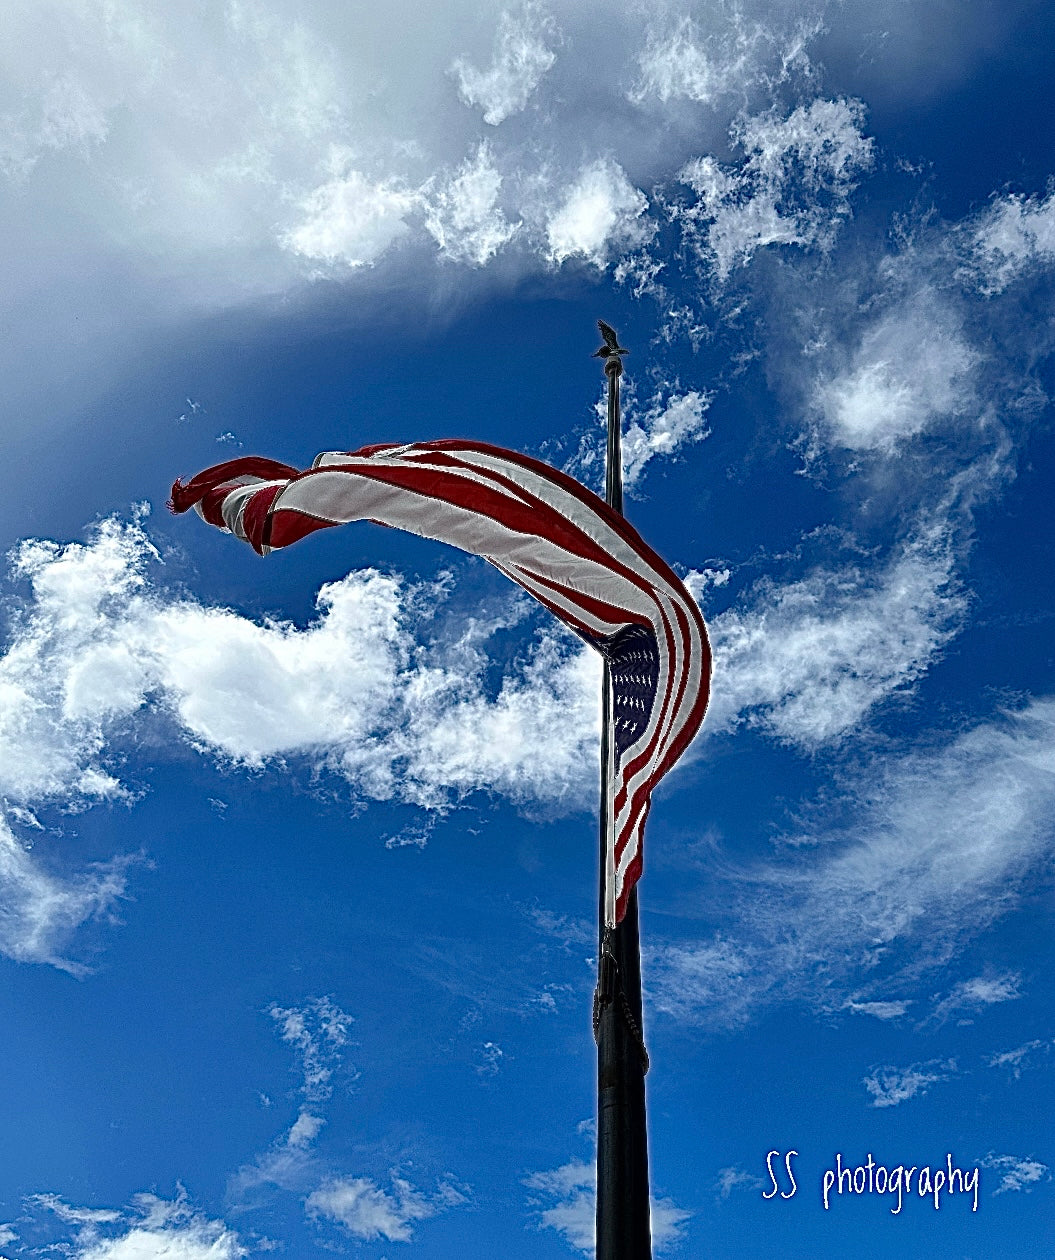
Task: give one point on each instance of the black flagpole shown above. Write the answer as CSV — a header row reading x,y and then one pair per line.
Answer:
x,y
623,1227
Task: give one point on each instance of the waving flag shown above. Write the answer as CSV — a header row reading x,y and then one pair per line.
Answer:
x,y
546,532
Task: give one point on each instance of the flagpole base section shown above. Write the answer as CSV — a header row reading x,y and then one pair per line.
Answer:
x,y
623,1212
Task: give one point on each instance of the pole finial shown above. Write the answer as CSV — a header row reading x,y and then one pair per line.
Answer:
x,y
611,350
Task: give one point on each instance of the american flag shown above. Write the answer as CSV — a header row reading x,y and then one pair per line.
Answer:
x,y
545,531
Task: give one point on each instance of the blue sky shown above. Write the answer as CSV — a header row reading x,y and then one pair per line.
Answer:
x,y
297,856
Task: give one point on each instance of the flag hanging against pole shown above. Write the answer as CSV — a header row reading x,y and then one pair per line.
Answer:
x,y
546,532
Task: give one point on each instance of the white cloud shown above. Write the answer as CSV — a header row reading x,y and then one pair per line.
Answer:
x,y
735,1178
807,661
939,844
522,55
533,743
716,979
912,367
568,932
122,112
489,1059
1019,1057
1017,1173
891,1086
318,1033
193,142
70,117
367,1211
940,834
99,647
305,1129
195,1240
697,581
351,219
574,1216
680,64
65,672
664,428
600,211
886,350
574,1185
167,164
978,992
792,187
153,1227
1015,235
463,214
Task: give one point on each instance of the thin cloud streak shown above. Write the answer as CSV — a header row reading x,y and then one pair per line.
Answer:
x,y
41,912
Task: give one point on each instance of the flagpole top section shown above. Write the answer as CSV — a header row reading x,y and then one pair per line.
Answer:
x,y
613,366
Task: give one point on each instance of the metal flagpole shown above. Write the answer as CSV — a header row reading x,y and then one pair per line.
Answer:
x,y
623,1227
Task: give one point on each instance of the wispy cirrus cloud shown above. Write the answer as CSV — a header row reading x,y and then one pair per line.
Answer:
x,y
41,912
891,1086
1021,1057
685,61
318,1032
806,660
736,1178
523,53
362,1207
358,1206
880,1009
791,188
893,361
940,844
367,1210
1017,1173
666,427
1014,237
